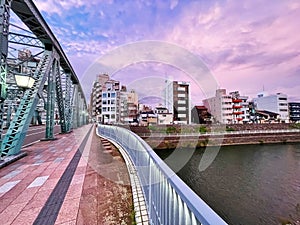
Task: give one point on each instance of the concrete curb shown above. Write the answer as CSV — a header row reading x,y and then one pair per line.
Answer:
x,y
12,158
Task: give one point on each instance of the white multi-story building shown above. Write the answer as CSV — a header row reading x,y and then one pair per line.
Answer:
x,y
96,97
220,106
240,108
178,101
245,109
228,108
163,115
95,100
274,103
128,106
105,100
111,102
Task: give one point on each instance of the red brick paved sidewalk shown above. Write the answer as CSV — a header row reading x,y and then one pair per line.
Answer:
x,y
26,184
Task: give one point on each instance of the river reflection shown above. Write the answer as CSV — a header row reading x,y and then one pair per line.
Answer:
x,y
251,184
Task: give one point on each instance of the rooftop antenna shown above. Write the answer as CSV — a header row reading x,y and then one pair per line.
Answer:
x,y
263,87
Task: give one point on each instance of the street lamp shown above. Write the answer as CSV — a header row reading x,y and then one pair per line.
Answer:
x,y
24,80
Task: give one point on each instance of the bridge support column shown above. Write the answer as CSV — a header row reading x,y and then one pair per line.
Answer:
x,y
79,111
50,102
75,106
4,30
82,112
68,103
60,100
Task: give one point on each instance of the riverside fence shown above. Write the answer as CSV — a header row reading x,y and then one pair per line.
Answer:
x,y
168,199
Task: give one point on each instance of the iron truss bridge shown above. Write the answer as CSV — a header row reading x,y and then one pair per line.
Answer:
x,y
37,82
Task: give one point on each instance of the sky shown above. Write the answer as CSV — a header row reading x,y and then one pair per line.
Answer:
x,y
249,45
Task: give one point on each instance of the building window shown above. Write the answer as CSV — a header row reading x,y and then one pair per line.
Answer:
x,y
113,95
181,116
104,95
181,108
283,99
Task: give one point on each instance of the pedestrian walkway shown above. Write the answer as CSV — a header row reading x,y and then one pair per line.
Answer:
x,y
52,184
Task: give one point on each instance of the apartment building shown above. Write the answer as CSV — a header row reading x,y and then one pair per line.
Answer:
x,y
163,115
96,97
105,100
294,110
95,100
178,101
200,115
220,107
128,106
276,103
111,102
240,108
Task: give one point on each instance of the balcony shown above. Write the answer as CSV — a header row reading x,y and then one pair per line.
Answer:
x,y
238,113
237,106
236,100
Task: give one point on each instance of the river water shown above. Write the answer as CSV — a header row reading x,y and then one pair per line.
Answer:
x,y
251,184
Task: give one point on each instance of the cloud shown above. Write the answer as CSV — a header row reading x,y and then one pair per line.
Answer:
x,y
62,6
173,4
244,43
243,40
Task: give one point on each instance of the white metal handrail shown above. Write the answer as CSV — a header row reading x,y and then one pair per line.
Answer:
x,y
169,200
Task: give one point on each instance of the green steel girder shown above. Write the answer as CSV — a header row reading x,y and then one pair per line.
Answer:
x,y
4,30
16,132
81,110
51,102
60,102
68,103
22,39
75,107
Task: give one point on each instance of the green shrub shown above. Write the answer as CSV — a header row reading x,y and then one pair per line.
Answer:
x,y
230,129
295,126
202,129
171,130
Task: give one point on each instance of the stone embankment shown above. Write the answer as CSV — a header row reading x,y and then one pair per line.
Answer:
x,y
170,137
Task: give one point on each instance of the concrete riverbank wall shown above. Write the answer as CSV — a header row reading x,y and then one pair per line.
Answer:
x,y
171,142
238,134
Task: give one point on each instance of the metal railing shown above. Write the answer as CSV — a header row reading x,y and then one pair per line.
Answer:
x,y
168,199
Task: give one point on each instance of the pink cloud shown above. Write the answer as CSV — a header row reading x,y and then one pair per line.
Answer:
x,y
245,44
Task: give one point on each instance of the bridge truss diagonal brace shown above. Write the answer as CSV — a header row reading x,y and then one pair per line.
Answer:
x,y
4,30
79,112
75,111
61,102
26,40
67,101
50,106
16,132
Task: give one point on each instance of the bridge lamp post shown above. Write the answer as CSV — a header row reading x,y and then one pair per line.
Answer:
x,y
24,80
